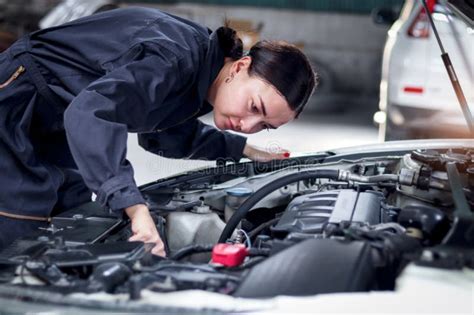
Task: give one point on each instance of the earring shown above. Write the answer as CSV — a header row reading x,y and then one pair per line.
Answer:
x,y
228,79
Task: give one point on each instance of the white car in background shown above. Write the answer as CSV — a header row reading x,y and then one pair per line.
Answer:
x,y
417,99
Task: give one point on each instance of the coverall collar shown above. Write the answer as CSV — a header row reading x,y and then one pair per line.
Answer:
x,y
213,63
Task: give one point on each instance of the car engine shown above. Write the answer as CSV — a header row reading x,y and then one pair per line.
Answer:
x,y
298,227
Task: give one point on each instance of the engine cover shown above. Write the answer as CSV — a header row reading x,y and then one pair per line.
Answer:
x,y
310,213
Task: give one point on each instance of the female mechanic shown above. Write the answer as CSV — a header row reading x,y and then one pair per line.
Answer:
x,y
70,94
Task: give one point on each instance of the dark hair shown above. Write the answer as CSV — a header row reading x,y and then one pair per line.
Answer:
x,y
230,43
279,63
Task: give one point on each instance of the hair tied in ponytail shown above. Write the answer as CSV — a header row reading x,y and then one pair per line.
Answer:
x,y
230,43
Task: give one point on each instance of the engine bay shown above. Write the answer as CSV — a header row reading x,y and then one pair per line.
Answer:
x,y
299,229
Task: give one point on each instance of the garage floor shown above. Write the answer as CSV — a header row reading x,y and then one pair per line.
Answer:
x,y
312,132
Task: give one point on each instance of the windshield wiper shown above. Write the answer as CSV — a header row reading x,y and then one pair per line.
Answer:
x,y
452,74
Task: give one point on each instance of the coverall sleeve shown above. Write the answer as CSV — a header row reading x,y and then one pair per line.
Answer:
x,y
194,140
98,119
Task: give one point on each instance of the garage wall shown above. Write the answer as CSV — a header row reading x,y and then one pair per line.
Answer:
x,y
345,48
340,6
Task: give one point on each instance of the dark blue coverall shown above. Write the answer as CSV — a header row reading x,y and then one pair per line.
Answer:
x,y
64,119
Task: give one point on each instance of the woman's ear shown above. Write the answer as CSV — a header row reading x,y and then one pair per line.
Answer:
x,y
241,64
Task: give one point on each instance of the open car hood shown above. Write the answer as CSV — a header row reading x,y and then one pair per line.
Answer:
x,y
335,231
464,9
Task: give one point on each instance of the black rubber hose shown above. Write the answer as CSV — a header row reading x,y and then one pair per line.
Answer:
x,y
267,189
192,249
259,252
457,190
262,227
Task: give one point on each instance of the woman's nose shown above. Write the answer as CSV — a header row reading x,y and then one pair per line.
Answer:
x,y
249,124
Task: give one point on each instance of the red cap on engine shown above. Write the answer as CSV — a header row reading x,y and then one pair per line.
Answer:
x,y
229,255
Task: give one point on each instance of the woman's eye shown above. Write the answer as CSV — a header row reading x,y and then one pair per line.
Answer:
x,y
254,108
264,126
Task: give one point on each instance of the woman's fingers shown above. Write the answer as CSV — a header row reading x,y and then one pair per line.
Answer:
x,y
142,236
260,155
135,238
144,228
159,249
150,237
279,155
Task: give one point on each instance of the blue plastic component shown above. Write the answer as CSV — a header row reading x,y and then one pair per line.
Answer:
x,y
239,191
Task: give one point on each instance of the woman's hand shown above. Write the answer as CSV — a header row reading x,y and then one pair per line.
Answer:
x,y
260,155
144,229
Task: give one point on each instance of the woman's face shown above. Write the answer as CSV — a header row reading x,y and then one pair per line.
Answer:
x,y
248,104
